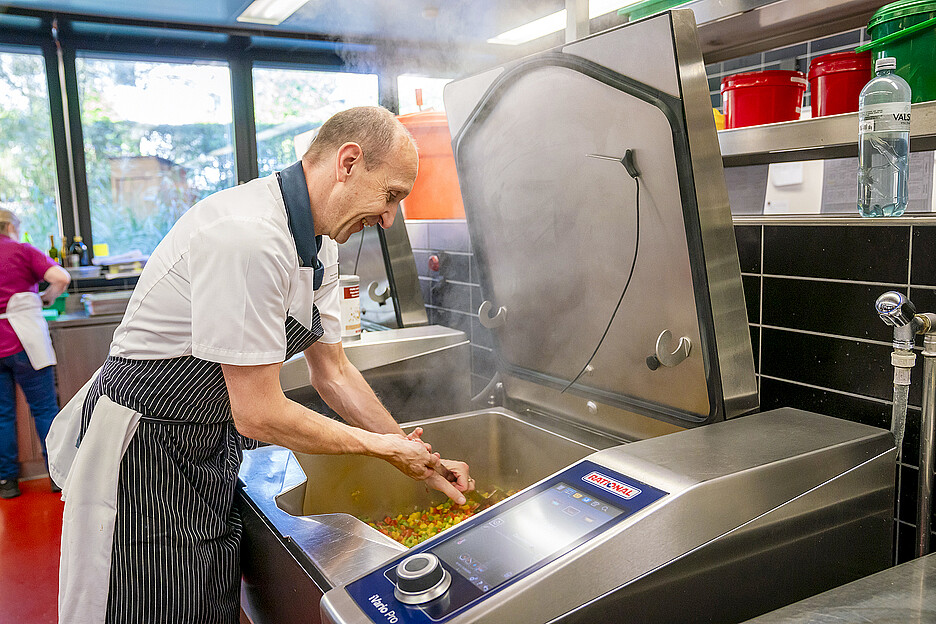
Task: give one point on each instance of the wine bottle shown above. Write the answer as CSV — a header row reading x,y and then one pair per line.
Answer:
x,y
53,250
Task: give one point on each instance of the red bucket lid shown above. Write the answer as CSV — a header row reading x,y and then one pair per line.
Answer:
x,y
769,77
839,62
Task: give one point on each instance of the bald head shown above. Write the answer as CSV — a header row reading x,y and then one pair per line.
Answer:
x,y
375,129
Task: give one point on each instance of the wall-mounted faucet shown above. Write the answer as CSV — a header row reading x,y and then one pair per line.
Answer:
x,y
896,310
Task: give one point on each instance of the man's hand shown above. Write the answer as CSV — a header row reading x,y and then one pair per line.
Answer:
x,y
411,457
458,480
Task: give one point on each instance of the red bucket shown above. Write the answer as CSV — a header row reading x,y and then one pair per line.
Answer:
x,y
762,97
835,80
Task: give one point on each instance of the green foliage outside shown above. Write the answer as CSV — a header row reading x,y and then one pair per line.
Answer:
x,y
27,161
143,176
183,163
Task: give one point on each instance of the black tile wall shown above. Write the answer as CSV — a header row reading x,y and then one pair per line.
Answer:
x,y
752,287
924,256
451,296
483,362
480,335
821,347
449,236
422,263
755,347
923,298
451,293
455,266
418,234
776,393
849,39
448,318
905,543
835,363
865,253
790,52
748,238
804,304
907,500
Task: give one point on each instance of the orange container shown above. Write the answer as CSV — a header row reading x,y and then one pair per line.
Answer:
x,y
436,194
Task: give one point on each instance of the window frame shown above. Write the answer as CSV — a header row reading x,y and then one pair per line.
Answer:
x,y
60,45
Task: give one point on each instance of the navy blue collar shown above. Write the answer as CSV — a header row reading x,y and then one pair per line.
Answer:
x,y
295,192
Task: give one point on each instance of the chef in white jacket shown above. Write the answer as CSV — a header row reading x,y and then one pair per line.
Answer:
x,y
151,532
26,355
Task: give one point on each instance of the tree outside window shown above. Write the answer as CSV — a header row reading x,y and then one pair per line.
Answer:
x,y
290,104
27,159
158,138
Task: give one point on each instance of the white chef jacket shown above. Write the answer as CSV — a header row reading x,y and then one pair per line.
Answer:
x,y
221,283
219,287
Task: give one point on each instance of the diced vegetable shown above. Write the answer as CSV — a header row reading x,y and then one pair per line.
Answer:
x,y
420,526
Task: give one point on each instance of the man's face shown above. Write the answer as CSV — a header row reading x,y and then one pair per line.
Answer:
x,y
373,197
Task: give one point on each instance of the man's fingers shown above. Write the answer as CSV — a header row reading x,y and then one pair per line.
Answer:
x,y
449,489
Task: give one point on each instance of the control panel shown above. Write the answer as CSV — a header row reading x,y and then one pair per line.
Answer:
x,y
442,577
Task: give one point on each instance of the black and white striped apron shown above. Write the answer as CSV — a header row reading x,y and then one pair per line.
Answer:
x,y
176,550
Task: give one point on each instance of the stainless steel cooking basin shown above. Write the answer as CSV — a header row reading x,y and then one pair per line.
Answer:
x,y
501,450
300,512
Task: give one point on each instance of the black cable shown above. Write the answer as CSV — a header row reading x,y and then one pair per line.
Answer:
x,y
358,257
629,275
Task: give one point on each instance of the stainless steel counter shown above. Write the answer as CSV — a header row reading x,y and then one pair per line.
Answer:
x,y
81,344
904,594
81,319
416,371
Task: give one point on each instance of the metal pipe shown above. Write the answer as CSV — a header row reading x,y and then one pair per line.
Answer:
x,y
896,310
927,422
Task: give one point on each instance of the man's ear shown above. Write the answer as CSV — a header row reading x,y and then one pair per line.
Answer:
x,y
349,156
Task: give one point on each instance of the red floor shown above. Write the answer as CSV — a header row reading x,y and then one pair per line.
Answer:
x,y
30,539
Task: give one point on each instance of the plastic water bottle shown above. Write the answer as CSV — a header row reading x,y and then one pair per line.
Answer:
x,y
883,142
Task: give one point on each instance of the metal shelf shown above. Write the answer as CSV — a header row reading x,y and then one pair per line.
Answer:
x,y
835,136
734,28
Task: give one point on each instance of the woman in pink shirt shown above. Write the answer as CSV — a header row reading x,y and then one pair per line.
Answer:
x,y
22,267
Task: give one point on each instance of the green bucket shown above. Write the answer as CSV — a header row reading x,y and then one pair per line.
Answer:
x,y
906,30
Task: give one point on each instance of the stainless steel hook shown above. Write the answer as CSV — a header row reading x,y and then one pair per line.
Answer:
x,y
666,355
492,322
372,293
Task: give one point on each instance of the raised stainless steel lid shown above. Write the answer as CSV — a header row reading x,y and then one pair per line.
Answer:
x,y
559,235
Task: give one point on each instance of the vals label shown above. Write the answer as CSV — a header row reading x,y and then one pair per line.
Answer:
x,y
618,488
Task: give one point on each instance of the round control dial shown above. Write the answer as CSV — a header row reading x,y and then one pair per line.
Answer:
x,y
421,578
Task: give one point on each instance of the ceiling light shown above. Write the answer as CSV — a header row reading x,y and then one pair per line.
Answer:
x,y
554,22
533,30
270,12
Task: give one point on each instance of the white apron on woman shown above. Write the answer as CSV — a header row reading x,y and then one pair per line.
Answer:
x,y
24,312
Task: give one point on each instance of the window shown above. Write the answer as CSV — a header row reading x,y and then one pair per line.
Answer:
x,y
289,104
27,159
158,138
431,89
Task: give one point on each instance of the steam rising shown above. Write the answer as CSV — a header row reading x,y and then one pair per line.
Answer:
x,y
440,39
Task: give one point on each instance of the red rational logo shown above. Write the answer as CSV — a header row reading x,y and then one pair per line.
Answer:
x,y
618,488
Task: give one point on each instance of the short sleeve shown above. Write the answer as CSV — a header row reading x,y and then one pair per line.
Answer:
x,y
328,296
37,261
240,273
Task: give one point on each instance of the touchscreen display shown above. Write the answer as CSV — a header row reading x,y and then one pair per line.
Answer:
x,y
491,553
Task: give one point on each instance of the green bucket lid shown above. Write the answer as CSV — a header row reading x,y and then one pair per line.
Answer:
x,y
901,8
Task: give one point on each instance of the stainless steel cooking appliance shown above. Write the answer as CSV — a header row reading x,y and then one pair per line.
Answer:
x,y
598,158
